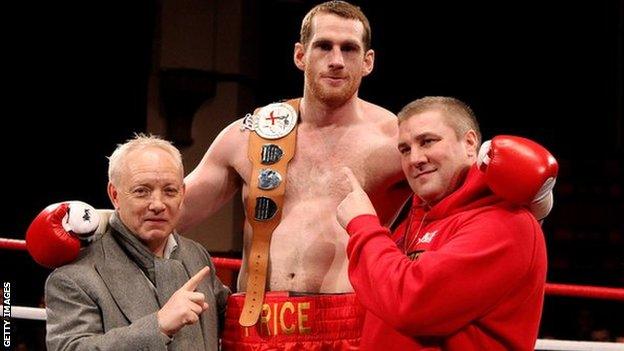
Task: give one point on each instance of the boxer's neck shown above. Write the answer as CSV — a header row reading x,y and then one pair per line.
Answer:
x,y
315,113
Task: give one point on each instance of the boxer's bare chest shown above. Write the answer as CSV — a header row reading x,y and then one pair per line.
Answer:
x,y
320,155
316,169
308,246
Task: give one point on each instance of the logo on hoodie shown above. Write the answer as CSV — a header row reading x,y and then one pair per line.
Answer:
x,y
427,237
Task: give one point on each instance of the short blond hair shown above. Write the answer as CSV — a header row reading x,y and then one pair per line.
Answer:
x,y
457,113
341,9
140,141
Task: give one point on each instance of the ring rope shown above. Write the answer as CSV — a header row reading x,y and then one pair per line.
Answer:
x,y
568,345
12,244
34,313
22,312
595,292
555,289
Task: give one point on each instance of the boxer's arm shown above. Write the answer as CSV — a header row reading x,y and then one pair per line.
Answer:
x,y
215,180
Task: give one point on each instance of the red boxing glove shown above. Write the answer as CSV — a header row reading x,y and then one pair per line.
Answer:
x,y
519,170
53,237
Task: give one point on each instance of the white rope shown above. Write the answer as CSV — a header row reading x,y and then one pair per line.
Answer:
x,y
22,312
541,344
565,345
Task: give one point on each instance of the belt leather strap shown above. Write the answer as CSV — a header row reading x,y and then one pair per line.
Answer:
x,y
262,230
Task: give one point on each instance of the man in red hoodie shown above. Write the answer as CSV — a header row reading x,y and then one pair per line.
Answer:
x,y
466,270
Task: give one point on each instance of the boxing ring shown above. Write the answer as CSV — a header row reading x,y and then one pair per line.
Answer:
x,y
552,289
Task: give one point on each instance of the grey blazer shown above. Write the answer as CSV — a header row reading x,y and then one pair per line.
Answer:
x,y
103,301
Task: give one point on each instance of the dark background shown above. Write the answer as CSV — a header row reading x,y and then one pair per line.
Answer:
x,y
76,80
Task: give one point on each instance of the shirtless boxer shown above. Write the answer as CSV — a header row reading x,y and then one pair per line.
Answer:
x,y
307,248
336,128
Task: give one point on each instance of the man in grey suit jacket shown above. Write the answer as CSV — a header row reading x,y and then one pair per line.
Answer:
x,y
140,286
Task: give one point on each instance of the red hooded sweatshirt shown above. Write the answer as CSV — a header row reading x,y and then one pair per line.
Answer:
x,y
475,279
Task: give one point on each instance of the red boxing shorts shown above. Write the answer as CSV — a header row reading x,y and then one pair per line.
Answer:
x,y
302,322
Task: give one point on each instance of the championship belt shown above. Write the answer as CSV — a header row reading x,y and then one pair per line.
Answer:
x,y
271,146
